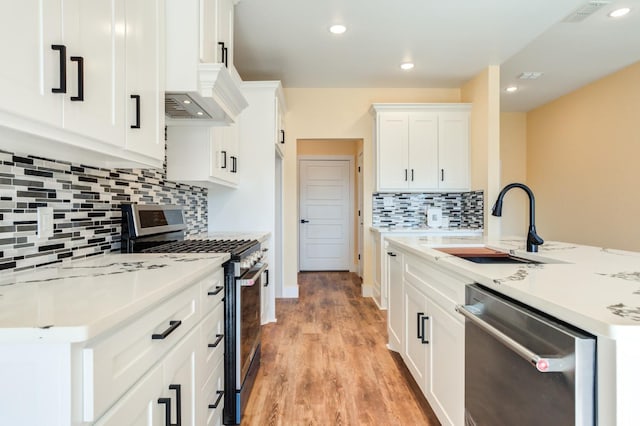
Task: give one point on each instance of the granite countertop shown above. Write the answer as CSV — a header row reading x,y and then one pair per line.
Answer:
x,y
75,301
426,230
596,289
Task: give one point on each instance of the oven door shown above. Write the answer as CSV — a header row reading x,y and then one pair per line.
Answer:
x,y
249,316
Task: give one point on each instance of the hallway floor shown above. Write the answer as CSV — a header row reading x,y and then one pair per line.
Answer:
x,y
325,362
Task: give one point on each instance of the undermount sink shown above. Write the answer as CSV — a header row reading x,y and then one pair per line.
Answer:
x,y
485,255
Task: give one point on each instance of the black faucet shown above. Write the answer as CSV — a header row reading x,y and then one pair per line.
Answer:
x,y
533,239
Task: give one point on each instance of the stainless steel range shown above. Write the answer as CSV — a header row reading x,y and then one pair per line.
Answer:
x,y
161,229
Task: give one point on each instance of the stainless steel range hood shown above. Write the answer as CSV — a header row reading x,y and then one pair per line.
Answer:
x,y
197,92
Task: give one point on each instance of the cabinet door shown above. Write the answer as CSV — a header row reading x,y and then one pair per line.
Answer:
x,y
280,136
423,150
396,303
179,372
95,32
393,151
139,406
225,29
417,335
453,148
446,380
31,69
377,268
145,77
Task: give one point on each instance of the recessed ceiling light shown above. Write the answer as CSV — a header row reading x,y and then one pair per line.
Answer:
x,y
337,29
618,13
511,89
200,113
186,101
407,66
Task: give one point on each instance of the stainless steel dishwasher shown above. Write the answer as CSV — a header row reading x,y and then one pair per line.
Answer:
x,y
523,367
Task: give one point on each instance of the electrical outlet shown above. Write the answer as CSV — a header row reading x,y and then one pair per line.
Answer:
x,y
45,222
387,201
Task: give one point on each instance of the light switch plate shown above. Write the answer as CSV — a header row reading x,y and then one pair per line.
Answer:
x,y
388,201
45,222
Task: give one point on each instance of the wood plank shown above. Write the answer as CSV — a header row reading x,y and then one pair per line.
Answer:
x,y
325,362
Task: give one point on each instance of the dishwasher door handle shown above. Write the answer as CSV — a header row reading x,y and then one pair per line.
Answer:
x,y
542,364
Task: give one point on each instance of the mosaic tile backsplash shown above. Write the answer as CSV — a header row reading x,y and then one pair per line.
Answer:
x,y
409,210
86,206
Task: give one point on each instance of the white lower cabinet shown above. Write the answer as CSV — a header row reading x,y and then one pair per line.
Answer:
x,y
445,387
432,333
139,406
168,356
395,312
416,352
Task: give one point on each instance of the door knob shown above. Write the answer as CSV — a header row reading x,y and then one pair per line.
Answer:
x,y
304,221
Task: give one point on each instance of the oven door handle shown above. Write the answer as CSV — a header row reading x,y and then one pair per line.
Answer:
x,y
542,364
255,275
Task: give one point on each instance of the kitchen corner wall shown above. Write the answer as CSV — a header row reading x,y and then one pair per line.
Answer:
x,y
86,204
463,209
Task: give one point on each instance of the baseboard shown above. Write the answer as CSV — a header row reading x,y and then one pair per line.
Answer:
x,y
290,292
367,290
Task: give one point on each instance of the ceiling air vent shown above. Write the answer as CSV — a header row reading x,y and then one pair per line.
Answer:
x,y
182,106
586,10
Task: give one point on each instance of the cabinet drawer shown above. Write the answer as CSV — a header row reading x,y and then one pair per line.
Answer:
x,y
212,290
445,289
114,363
212,337
212,394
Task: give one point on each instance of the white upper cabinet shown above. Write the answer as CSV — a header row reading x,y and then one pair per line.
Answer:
x,y
422,147
31,69
94,101
281,135
144,94
66,87
203,156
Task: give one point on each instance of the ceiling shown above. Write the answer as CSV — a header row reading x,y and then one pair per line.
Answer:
x,y
450,41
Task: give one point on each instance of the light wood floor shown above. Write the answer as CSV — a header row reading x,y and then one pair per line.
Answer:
x,y
325,362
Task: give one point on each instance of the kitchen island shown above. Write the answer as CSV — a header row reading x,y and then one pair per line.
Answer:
x,y
594,289
104,339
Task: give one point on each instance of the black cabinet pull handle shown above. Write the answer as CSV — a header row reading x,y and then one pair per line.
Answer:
x,y
234,164
80,61
215,291
218,399
224,159
442,175
62,50
304,221
267,283
282,134
224,52
423,326
167,407
167,410
172,327
391,254
137,99
219,338
406,177
411,175
419,323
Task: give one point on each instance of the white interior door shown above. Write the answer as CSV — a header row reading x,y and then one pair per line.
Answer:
x,y
325,212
